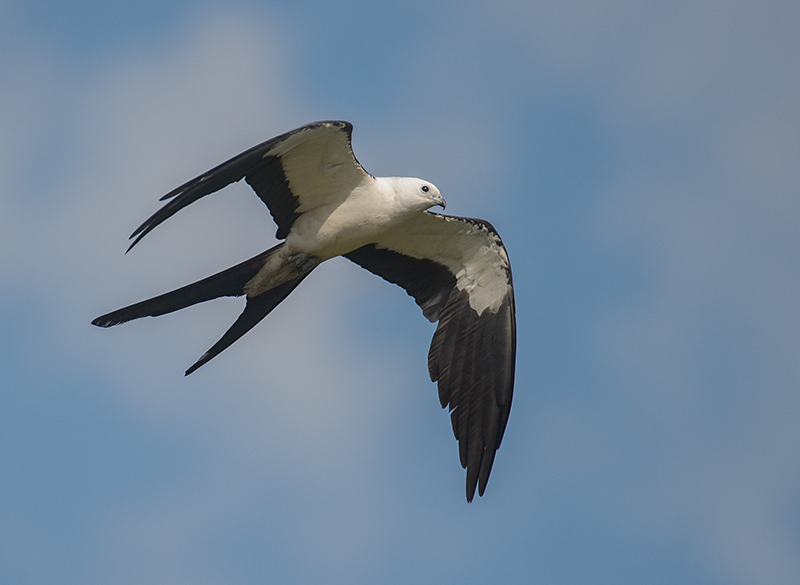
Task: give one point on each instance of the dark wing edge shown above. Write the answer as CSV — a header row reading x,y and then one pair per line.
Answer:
x,y
262,171
471,357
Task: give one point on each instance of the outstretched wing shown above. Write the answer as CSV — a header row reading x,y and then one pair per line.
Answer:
x,y
306,167
458,272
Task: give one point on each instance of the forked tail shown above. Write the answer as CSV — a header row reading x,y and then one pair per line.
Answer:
x,y
228,283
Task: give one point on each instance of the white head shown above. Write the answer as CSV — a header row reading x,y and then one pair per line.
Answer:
x,y
417,194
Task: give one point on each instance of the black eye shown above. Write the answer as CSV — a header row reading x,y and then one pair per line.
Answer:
x,y
425,189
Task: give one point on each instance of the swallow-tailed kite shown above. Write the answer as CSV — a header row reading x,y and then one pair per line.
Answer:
x,y
327,205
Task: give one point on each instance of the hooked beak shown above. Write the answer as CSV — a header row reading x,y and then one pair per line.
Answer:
x,y
439,200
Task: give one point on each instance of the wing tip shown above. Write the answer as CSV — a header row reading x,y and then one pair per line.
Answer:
x,y
471,491
203,359
101,322
136,241
107,320
140,232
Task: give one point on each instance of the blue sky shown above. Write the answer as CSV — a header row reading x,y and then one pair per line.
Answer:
x,y
639,160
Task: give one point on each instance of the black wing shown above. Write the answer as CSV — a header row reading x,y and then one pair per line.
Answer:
x,y
473,352
302,168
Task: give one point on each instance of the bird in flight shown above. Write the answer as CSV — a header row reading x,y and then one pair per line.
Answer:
x,y
326,205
